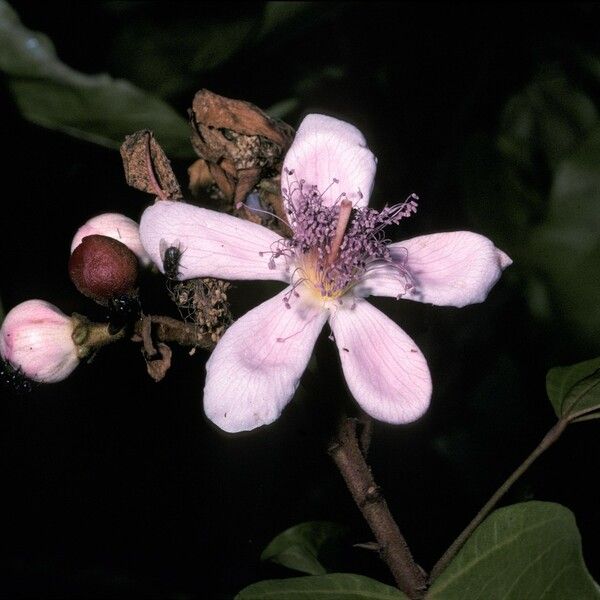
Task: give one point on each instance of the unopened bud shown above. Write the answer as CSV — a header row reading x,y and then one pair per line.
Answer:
x,y
116,226
36,338
103,268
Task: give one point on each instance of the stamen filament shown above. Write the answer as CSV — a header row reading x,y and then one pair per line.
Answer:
x,y
266,212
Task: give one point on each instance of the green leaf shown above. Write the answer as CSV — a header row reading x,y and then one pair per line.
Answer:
x,y
282,109
96,108
166,55
337,586
300,547
220,42
576,186
277,15
548,118
488,180
565,249
540,128
574,390
528,550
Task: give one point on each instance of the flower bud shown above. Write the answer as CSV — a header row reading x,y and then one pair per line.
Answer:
x,y
35,338
116,226
102,268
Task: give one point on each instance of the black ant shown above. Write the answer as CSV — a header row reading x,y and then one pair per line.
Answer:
x,y
122,310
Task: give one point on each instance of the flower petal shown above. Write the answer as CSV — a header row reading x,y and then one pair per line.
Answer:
x,y
332,155
447,269
385,371
116,226
255,368
213,244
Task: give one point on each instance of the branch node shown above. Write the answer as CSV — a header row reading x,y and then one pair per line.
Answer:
x,y
350,460
373,494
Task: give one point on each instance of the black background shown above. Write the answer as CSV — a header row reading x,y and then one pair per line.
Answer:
x,y
114,485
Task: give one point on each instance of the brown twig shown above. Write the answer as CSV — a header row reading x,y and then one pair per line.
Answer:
x,y
170,330
185,334
393,549
366,432
145,332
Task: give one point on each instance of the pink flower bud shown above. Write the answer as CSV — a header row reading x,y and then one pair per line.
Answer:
x,y
116,226
35,337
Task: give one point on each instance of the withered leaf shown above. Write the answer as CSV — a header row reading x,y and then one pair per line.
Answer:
x,y
270,196
199,176
240,143
147,167
224,180
159,365
238,116
267,198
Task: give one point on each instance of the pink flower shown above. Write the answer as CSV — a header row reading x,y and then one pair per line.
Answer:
x,y
336,256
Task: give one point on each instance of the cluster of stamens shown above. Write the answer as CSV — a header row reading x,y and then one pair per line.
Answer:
x,y
333,246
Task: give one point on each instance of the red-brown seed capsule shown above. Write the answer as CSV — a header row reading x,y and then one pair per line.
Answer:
x,y
116,226
102,268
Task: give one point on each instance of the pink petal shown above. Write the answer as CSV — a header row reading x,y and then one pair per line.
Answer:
x,y
447,269
385,371
116,226
256,367
326,150
213,244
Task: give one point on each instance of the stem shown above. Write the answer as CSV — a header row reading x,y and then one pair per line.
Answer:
x,y
90,337
365,434
393,549
185,334
458,543
146,335
170,330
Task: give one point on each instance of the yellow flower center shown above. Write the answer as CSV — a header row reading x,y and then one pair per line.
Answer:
x,y
313,275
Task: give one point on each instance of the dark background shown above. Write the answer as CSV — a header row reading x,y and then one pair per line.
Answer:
x,y
115,485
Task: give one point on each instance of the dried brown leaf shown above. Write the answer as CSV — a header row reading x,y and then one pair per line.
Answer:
x,y
199,177
240,117
240,142
226,183
270,195
159,365
271,203
147,167
247,179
